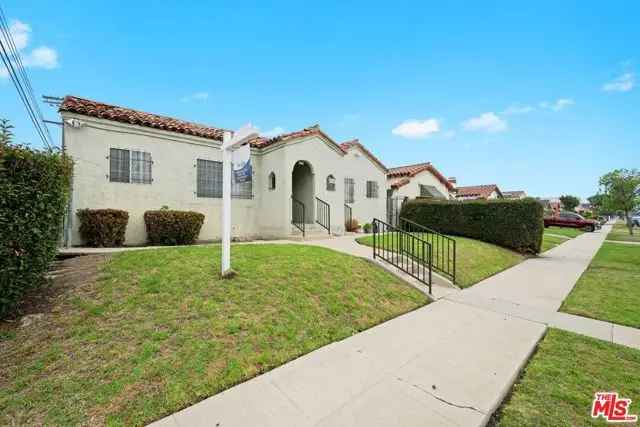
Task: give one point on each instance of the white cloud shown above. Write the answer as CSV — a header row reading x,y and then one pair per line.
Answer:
x,y
487,122
417,129
624,83
562,103
20,33
558,104
518,109
40,57
198,96
273,132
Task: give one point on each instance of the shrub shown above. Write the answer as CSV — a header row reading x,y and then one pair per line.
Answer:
x,y
352,225
167,227
103,227
34,189
366,228
515,224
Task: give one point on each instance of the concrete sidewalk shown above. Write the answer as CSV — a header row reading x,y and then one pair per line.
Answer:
x,y
535,289
447,364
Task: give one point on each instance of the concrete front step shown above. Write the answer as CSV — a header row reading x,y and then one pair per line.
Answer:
x,y
311,232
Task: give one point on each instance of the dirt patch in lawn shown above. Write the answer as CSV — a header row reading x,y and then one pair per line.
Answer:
x,y
65,277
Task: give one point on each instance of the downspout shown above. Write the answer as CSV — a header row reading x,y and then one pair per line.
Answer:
x,y
67,223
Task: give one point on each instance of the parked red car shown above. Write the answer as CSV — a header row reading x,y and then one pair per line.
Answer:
x,y
570,220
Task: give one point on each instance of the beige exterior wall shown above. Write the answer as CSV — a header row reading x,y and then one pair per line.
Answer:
x,y
412,189
174,177
359,167
266,215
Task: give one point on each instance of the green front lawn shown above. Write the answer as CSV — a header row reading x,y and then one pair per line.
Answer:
x,y
620,232
159,331
562,231
559,383
610,288
550,242
475,260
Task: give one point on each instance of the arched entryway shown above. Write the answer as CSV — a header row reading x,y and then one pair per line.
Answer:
x,y
302,188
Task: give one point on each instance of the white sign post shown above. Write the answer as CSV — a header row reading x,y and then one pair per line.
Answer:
x,y
229,143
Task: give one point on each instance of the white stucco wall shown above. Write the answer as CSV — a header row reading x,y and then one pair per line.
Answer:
x,y
359,167
174,177
412,189
324,160
267,215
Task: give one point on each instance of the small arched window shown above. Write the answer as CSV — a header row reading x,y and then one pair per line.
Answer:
x,y
272,181
331,183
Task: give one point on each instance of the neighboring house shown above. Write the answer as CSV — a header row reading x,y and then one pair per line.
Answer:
x,y
487,192
136,161
551,205
519,194
419,180
583,208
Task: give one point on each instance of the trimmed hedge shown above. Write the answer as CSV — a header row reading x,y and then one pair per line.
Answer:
x,y
103,228
34,190
515,224
167,227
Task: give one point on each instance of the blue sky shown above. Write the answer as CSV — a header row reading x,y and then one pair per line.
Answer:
x,y
540,96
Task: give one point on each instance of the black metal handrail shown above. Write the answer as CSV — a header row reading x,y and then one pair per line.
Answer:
x,y
403,250
444,247
297,214
348,216
323,214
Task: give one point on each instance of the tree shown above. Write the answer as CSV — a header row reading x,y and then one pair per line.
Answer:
x,y
597,201
569,202
6,135
621,189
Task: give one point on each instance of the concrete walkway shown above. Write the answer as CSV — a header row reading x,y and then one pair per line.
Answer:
x,y
622,242
535,289
449,363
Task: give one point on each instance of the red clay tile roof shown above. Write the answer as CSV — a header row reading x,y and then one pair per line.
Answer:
x,y
400,182
412,170
346,146
480,191
262,142
86,107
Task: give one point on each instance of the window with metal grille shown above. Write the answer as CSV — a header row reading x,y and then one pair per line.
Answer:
x,y
119,165
372,189
141,167
424,191
130,166
331,183
209,178
349,190
209,181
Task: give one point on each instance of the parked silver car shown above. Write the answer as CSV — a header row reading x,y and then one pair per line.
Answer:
x,y
635,219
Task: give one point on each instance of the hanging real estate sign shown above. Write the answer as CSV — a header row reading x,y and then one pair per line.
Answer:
x,y
241,160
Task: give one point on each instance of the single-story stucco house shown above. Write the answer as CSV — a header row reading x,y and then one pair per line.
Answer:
x,y
487,192
517,194
412,181
136,161
420,180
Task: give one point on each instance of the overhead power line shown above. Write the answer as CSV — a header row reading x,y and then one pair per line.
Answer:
x,y
16,70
